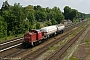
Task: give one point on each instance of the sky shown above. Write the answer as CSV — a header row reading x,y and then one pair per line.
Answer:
x,y
80,5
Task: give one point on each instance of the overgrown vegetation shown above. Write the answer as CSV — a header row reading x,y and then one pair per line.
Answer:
x,y
73,58
15,20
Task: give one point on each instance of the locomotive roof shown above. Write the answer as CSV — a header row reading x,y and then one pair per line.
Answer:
x,y
30,33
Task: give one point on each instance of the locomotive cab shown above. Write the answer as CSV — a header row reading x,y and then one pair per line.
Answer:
x,y
32,36
29,38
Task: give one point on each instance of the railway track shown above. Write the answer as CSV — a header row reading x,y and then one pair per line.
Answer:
x,y
57,54
40,51
15,50
10,44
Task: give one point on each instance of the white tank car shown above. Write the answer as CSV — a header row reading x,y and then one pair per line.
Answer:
x,y
49,30
60,28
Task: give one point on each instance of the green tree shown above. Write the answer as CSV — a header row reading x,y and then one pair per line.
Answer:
x,y
38,25
53,21
74,14
31,19
70,13
40,16
67,12
39,8
5,5
14,17
81,15
48,23
19,13
59,17
3,28
56,14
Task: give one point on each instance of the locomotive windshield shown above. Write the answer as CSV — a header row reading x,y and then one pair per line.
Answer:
x,y
27,37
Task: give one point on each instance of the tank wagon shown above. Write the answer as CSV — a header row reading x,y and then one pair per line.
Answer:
x,y
35,36
49,31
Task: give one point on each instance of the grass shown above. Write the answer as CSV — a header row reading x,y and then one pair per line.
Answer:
x,y
76,21
73,58
6,38
35,53
87,40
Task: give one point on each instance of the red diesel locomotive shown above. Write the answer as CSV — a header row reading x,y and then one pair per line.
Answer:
x,y
35,36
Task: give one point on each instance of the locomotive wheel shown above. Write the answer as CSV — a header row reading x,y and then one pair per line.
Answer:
x,y
23,44
62,31
45,37
55,34
36,43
